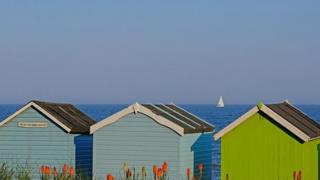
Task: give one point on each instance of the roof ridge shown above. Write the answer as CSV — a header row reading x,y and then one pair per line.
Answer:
x,y
49,102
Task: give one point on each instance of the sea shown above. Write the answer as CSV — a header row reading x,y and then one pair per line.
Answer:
x,y
219,117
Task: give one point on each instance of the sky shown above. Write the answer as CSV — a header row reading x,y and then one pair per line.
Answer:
x,y
110,52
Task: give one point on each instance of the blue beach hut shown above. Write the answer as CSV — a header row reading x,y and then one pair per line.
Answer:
x,y
44,133
143,135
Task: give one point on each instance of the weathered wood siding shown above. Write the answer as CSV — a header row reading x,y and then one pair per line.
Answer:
x,y
137,140
35,146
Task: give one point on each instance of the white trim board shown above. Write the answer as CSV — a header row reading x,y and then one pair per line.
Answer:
x,y
236,123
134,109
32,104
270,113
285,123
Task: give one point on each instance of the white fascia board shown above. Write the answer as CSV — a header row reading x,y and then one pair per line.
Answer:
x,y
134,109
285,123
39,109
236,123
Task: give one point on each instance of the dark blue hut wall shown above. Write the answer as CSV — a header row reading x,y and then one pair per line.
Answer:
x,y
84,154
202,150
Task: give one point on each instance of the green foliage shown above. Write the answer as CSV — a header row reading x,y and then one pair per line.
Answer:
x,y
6,173
133,174
23,172
81,175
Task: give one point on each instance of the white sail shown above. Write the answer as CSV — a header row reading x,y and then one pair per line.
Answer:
x,y
220,103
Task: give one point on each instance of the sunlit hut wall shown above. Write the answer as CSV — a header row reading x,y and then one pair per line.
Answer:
x,y
147,135
44,134
275,141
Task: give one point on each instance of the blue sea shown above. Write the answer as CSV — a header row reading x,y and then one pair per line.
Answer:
x,y
219,117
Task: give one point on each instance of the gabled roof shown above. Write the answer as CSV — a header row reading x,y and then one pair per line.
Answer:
x,y
169,115
284,114
68,117
297,118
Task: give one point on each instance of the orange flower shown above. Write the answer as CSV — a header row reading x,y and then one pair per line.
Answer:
x,y
42,169
159,173
47,170
200,167
165,167
188,172
65,168
155,169
55,173
71,171
129,173
110,177
299,177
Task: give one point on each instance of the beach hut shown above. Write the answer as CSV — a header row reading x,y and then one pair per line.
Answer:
x,y
143,135
43,133
274,141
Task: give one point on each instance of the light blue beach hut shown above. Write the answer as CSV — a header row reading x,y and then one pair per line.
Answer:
x,y
43,133
149,134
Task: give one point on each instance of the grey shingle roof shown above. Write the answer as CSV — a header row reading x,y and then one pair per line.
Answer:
x,y
179,116
297,118
68,115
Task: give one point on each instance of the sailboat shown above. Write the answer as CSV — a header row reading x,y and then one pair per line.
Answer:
x,y
220,103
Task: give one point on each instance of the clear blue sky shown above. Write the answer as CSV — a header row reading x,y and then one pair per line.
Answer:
x,y
160,51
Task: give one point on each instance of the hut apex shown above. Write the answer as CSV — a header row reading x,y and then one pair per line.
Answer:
x,y
136,107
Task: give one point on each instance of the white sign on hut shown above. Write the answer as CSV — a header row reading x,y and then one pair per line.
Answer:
x,y
43,133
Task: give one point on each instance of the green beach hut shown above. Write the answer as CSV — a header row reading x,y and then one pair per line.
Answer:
x,y
149,134
270,142
44,133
